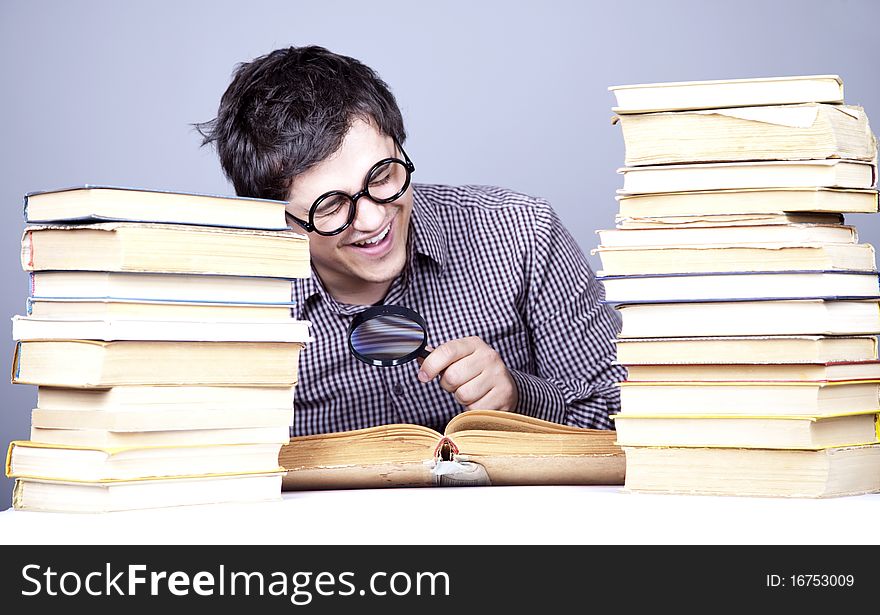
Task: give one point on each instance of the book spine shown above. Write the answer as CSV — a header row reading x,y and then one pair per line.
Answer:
x,y
17,498
27,251
9,460
445,449
25,208
16,362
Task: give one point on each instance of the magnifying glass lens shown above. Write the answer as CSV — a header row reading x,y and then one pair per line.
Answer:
x,y
387,336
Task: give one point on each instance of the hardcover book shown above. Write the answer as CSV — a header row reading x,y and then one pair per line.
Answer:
x,y
712,94
749,431
762,318
109,310
727,234
40,461
92,203
96,364
166,248
786,132
806,174
767,398
165,399
735,286
826,472
106,439
711,201
757,372
711,220
157,420
737,350
736,257
179,330
91,497
158,287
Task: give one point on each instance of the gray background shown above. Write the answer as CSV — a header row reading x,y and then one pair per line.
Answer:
x,y
506,93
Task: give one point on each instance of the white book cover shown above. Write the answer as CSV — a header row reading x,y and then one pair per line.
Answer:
x,y
288,330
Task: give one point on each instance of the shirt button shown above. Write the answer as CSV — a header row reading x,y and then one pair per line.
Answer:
x,y
397,389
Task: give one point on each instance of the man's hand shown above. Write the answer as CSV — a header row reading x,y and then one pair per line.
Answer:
x,y
473,371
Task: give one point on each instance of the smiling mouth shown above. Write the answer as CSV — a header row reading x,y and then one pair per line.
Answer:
x,y
377,239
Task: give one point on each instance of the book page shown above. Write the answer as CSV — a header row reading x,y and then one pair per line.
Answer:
x,y
492,420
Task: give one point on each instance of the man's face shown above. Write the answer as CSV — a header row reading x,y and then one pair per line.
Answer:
x,y
348,267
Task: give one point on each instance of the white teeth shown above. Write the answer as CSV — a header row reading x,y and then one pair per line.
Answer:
x,y
375,239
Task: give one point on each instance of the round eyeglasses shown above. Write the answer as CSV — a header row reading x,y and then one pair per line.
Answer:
x,y
334,211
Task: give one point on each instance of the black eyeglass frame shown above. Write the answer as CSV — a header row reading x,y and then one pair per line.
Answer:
x,y
309,225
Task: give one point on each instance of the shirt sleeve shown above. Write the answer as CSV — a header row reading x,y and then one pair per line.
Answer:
x,y
571,333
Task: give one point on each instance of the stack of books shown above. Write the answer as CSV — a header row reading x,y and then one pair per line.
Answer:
x,y
159,334
749,308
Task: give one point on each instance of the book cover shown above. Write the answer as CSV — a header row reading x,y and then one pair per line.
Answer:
x,y
830,173
56,462
143,286
790,317
112,496
783,132
113,329
828,472
79,363
717,93
91,203
757,350
740,286
166,248
803,432
747,201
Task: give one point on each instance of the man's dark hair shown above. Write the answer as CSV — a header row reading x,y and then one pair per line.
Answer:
x,y
288,110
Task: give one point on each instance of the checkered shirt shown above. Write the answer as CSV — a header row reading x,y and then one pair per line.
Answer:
x,y
482,261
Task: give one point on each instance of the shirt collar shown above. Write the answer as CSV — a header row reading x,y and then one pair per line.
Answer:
x,y
426,239
303,290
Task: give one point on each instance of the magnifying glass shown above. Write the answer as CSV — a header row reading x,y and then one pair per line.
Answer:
x,y
388,335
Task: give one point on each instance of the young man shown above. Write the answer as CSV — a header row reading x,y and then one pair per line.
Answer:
x,y
510,302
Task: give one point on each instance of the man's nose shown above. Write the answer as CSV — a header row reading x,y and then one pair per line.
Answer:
x,y
369,216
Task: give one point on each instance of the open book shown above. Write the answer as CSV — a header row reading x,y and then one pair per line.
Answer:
x,y
479,447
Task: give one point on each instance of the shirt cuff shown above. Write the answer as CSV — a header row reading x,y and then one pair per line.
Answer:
x,y
538,398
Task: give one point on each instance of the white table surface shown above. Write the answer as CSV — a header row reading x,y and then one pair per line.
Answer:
x,y
468,515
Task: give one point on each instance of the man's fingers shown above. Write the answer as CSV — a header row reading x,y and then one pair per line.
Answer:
x,y
445,355
475,389
473,372
461,372
488,402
